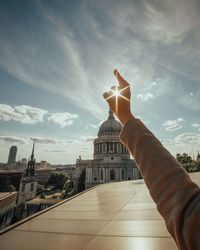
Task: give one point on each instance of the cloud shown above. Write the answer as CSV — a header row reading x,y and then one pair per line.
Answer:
x,y
36,114
188,138
167,142
45,140
24,114
55,150
40,140
172,125
95,126
30,115
13,139
87,138
62,119
145,97
195,125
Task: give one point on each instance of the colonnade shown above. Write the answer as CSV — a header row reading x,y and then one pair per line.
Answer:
x,y
109,147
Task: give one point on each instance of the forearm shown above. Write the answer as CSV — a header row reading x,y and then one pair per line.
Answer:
x,y
169,185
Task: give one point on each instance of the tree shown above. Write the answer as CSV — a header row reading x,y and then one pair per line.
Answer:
x,y
39,189
11,188
81,182
42,196
69,188
187,163
57,180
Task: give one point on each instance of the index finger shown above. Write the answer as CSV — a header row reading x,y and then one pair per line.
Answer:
x,y
122,83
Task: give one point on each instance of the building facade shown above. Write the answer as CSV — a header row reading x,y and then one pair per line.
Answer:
x,y
28,183
111,160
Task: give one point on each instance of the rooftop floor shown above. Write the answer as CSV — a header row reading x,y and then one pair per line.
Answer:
x,y
111,216
4,195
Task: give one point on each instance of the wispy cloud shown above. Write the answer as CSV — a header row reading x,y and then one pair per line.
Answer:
x,y
94,126
55,150
195,125
188,138
45,140
62,119
172,125
87,138
167,142
13,139
145,97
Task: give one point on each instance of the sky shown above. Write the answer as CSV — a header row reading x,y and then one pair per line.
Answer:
x,y
58,57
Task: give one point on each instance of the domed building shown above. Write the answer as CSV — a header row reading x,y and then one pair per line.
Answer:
x,y
111,160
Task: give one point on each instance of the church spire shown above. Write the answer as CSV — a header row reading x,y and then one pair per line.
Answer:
x,y
30,170
32,155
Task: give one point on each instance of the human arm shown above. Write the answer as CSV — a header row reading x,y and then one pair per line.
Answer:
x,y
176,196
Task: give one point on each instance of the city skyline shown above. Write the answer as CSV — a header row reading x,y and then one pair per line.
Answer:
x,y
57,58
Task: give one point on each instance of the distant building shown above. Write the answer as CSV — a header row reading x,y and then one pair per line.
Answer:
x,y
12,155
9,177
111,161
28,183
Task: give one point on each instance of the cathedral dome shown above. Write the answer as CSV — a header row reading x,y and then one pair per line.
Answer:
x,y
110,125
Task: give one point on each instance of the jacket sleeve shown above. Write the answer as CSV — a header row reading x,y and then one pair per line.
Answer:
x,y
176,196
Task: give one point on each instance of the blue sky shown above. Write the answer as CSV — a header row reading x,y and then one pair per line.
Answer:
x,y
57,58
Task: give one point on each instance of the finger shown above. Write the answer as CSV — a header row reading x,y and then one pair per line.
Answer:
x,y
122,82
114,88
107,95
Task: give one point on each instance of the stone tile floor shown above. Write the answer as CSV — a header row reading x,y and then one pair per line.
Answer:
x,y
112,216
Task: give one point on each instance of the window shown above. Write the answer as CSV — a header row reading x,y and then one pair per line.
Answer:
x,y
122,174
101,174
32,186
95,178
112,175
23,186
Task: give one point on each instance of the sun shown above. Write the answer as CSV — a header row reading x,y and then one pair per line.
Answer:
x,y
116,92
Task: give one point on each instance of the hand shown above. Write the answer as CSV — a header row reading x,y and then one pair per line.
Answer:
x,y
119,98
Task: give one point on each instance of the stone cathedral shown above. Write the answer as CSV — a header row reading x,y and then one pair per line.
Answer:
x,y
111,160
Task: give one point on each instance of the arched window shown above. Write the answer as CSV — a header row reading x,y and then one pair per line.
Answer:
x,y
102,174
32,186
122,174
112,175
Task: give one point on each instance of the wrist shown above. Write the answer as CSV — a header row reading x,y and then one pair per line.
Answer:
x,y
126,118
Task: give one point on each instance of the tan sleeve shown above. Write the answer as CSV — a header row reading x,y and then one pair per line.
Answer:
x,y
176,196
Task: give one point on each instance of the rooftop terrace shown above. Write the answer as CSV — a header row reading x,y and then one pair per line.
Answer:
x,y
111,216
